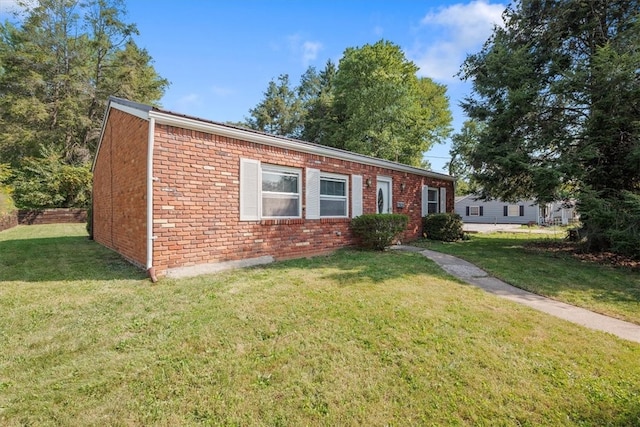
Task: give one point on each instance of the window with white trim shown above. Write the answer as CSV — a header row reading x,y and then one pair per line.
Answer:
x,y
269,191
281,189
432,200
333,195
474,210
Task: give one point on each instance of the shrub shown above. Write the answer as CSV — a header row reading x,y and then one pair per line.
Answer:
x,y
47,182
446,227
611,224
377,231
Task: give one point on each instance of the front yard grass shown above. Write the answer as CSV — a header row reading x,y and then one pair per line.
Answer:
x,y
614,291
357,338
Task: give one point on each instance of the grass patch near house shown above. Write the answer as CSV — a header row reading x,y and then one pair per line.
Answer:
x,y
515,258
357,338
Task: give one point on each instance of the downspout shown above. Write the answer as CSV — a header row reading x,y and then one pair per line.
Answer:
x,y
455,186
150,269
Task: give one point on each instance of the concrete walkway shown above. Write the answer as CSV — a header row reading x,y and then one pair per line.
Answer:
x,y
478,277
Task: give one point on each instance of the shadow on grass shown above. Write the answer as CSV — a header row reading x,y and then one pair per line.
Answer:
x,y
62,259
353,266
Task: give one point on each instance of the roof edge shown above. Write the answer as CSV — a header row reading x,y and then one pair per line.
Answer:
x,y
133,108
194,123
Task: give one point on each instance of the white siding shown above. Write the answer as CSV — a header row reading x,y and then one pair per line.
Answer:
x,y
493,211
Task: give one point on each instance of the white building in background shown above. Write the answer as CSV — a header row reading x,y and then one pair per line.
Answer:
x,y
475,210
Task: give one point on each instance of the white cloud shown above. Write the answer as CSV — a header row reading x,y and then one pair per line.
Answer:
x,y
305,49
457,30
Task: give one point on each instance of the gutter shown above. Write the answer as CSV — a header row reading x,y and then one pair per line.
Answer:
x,y
149,266
287,144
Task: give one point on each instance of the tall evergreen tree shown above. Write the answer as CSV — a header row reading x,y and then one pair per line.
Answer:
x,y
316,94
58,68
558,92
280,112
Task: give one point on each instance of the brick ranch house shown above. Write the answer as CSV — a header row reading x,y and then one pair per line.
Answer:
x,y
178,195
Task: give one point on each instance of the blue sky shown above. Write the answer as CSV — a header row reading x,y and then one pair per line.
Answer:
x,y
220,55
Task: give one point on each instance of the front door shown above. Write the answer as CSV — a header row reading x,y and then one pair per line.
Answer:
x,y
383,197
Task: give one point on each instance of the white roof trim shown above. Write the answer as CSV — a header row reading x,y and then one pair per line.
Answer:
x,y
113,103
147,112
189,123
144,115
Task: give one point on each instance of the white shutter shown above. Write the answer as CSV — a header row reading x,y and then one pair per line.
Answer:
x,y
356,195
313,193
443,200
249,190
425,200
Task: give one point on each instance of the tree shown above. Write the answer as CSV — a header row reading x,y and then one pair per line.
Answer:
x,y
558,92
47,181
6,201
382,109
462,146
316,94
58,68
280,112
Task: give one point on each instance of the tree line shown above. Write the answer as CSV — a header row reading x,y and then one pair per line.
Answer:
x,y
57,69
371,103
554,111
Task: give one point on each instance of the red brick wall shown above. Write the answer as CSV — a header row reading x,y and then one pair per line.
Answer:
x,y
196,202
52,216
119,187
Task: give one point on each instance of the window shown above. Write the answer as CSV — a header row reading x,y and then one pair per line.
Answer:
x,y
432,200
269,191
280,192
333,195
474,210
514,210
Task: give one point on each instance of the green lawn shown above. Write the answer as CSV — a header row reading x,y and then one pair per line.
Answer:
x,y
609,290
355,338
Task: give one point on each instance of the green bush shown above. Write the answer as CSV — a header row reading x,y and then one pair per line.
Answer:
x,y
377,231
446,227
48,182
611,224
